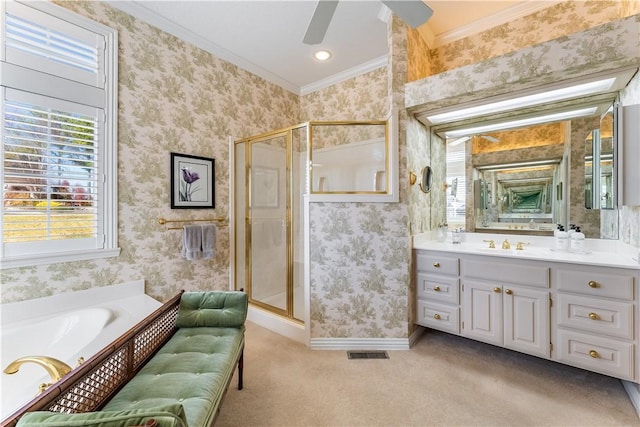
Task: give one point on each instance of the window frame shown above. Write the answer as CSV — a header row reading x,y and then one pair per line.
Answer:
x,y
15,76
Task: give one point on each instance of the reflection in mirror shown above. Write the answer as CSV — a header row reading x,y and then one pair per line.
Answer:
x,y
518,196
456,198
349,157
520,177
599,182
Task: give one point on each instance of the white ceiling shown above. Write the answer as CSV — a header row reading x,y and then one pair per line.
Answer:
x,y
265,37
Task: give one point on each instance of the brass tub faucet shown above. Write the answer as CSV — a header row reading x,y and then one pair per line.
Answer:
x,y
506,244
54,367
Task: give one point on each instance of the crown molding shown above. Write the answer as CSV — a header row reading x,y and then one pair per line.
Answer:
x,y
137,10
507,15
350,73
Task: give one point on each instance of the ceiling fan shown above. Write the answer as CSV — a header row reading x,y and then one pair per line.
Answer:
x,y
413,12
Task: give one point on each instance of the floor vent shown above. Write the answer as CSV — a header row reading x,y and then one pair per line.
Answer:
x,y
367,355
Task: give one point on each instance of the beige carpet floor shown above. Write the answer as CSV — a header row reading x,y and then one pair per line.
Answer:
x,y
443,380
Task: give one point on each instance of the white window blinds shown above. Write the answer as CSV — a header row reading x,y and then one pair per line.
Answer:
x,y
58,105
35,41
50,170
456,185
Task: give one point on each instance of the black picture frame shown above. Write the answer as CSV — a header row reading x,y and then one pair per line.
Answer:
x,y
192,182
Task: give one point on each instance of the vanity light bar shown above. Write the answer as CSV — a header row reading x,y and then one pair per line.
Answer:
x,y
525,101
584,112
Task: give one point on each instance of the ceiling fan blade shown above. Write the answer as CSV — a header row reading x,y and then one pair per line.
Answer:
x,y
414,13
320,22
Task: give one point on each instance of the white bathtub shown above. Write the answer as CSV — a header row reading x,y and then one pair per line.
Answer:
x,y
66,327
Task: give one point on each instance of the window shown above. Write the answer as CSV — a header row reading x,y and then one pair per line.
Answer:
x,y
58,103
456,185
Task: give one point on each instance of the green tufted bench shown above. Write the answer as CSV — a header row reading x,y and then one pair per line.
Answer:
x,y
181,382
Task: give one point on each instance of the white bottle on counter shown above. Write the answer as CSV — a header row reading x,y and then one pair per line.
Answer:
x,y
577,241
562,240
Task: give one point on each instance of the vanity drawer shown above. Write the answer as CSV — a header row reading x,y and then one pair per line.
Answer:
x,y
608,317
598,354
506,272
597,283
438,288
435,263
439,316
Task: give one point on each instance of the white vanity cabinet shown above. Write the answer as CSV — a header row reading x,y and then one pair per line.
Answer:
x,y
506,303
581,315
597,319
438,291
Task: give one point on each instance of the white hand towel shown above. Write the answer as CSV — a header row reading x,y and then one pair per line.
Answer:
x,y
208,241
192,242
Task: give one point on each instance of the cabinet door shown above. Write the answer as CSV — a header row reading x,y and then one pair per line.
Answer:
x,y
482,311
526,320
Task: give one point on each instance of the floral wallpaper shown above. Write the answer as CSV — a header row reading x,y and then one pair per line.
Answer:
x,y
587,219
359,276
360,252
559,20
606,47
420,59
173,97
532,136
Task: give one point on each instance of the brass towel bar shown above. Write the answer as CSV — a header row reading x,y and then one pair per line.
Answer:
x,y
163,221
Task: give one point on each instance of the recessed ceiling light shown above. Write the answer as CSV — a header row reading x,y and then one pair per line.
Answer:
x,y
322,55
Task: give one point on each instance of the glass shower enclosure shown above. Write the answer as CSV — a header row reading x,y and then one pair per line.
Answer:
x,y
269,185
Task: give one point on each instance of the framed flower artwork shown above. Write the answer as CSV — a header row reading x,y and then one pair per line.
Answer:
x,y
192,182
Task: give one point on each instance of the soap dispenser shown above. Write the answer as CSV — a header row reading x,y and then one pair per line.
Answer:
x,y
555,232
562,239
577,240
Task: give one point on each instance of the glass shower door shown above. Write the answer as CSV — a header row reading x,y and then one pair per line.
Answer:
x,y
268,223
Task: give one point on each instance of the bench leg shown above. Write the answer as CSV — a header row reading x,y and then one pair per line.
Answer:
x,y
240,367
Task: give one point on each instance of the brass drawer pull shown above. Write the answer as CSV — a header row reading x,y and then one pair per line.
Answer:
x,y
497,290
508,291
436,288
594,354
436,316
593,284
594,316
436,264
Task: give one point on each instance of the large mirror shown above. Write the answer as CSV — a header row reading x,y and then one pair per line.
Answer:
x,y
527,179
529,159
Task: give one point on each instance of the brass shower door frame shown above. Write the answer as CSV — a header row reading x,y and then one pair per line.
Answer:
x,y
288,134
306,175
